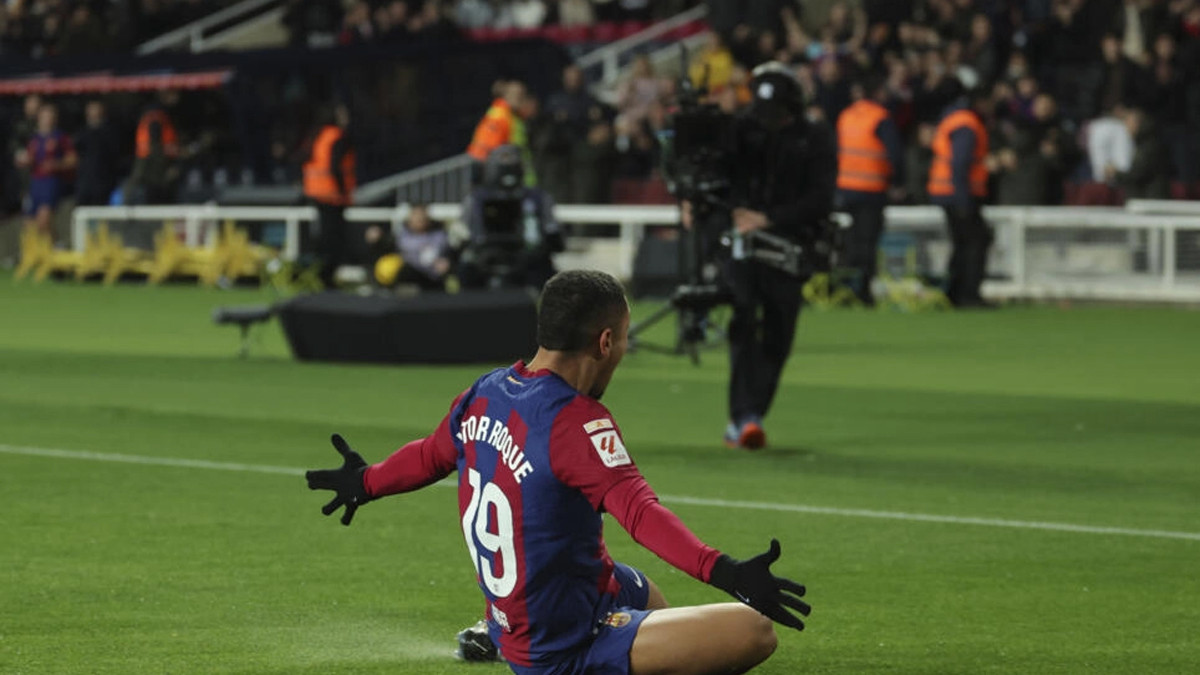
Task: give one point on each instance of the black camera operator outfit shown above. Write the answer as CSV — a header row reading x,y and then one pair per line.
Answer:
x,y
786,169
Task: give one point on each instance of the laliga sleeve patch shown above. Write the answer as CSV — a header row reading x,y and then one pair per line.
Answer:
x,y
597,424
610,448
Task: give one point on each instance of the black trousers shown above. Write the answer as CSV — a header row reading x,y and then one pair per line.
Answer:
x,y
766,305
326,243
862,247
411,275
970,238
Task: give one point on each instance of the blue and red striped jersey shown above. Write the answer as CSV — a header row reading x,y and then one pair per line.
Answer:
x,y
538,462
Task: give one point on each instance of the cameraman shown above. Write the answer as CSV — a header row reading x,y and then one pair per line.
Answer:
x,y
512,228
783,177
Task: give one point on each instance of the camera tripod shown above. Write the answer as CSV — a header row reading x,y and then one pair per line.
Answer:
x,y
691,303
703,291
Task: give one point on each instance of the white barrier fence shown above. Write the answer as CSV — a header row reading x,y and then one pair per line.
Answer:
x,y
1108,253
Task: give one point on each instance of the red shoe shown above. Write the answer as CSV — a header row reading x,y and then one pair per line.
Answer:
x,y
752,436
749,435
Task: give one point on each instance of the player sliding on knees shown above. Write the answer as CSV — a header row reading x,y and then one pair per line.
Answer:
x,y
538,460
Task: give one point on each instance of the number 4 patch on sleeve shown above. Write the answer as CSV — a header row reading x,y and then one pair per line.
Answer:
x,y
610,448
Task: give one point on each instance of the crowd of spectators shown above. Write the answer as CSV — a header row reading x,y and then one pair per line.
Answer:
x,y
1083,92
319,22
1093,93
46,28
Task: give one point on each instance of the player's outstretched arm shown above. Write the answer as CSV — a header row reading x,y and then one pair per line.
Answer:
x,y
346,481
751,582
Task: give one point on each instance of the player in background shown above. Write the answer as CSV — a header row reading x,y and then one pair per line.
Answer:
x,y
538,459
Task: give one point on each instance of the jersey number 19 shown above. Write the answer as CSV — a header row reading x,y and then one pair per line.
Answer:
x,y
499,543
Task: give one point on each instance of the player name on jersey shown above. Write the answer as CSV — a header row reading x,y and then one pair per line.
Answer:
x,y
483,429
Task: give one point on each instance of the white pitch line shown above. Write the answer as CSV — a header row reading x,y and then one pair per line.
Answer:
x,y
676,499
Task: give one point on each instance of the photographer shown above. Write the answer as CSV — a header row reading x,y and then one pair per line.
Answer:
x,y
512,228
782,183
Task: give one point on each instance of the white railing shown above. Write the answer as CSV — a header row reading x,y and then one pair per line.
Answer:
x,y
609,56
1164,207
193,34
1040,252
446,180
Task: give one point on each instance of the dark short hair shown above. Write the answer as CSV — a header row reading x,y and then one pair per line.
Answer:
x,y
576,306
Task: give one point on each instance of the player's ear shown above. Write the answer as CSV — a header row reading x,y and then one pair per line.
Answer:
x,y
605,343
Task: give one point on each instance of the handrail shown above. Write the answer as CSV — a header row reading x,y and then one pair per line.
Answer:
x,y
1163,207
194,31
378,189
609,55
220,39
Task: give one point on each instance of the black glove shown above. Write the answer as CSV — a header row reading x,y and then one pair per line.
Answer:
x,y
347,481
751,582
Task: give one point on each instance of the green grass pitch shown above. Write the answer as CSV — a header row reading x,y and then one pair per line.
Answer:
x,y
924,474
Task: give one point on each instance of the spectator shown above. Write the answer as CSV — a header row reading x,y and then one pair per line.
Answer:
x,y
982,53
23,131
423,246
572,13
50,158
1166,95
1036,161
635,148
1147,177
1109,145
99,158
833,90
592,164
1118,74
527,14
474,14
714,66
356,25
567,118
84,33
641,90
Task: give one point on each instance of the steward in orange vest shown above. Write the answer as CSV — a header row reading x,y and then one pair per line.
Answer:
x,y
870,165
870,156
958,174
493,131
155,125
329,176
958,182
500,126
329,183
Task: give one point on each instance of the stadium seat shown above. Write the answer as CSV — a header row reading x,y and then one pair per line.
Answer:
x,y
637,191
605,32
627,28
1096,194
575,35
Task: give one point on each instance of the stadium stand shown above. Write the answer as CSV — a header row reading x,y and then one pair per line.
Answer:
x,y
1065,79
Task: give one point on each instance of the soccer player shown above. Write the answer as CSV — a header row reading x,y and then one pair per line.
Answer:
x,y
538,459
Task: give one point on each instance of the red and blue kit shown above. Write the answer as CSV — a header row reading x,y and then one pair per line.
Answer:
x,y
538,462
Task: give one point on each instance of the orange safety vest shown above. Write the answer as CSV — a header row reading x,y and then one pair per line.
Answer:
x,y
319,183
494,130
863,164
941,179
170,140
